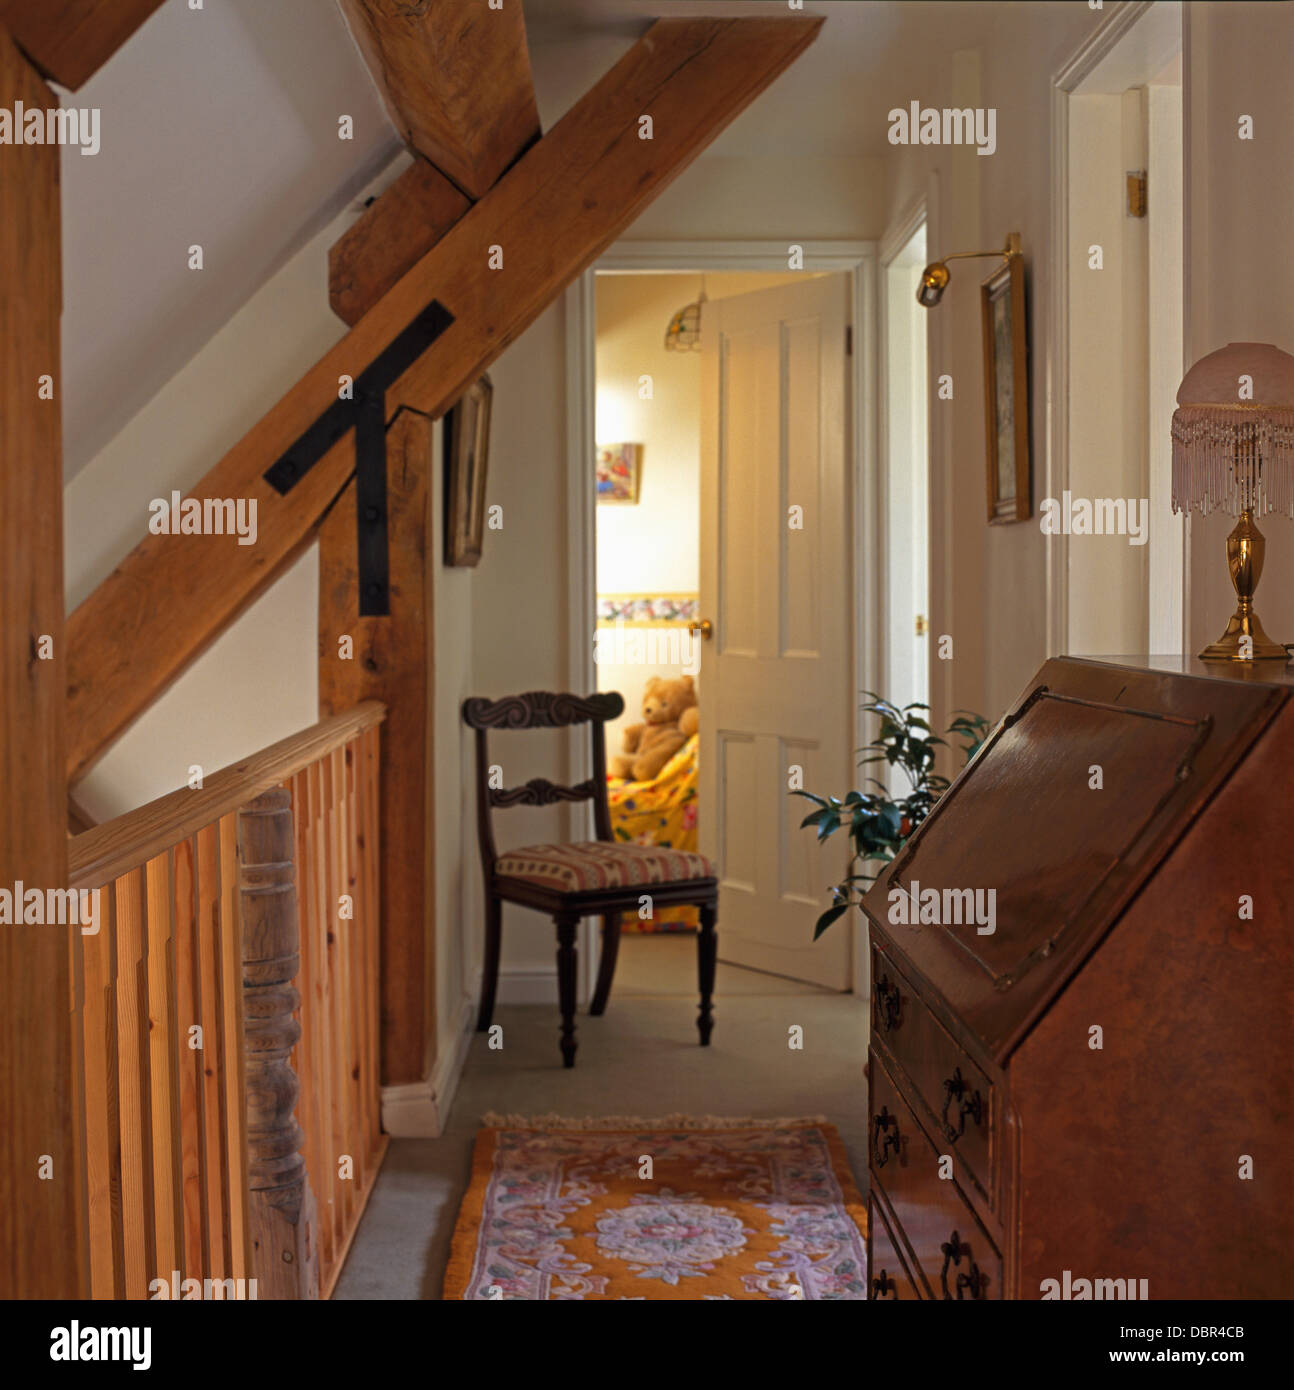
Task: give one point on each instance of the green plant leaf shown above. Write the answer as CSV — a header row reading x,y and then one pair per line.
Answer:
x,y
831,915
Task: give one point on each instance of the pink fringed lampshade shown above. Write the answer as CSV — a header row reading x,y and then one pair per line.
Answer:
x,y
1233,451
1233,432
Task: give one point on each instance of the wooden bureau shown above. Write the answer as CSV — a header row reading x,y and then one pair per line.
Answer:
x,y
1085,1087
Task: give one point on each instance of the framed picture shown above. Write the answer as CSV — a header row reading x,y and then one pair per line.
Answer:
x,y
1006,393
467,454
619,472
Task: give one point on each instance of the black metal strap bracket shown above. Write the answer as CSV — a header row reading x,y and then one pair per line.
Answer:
x,y
366,415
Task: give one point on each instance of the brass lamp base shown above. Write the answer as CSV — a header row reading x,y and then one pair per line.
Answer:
x,y
1227,647
1246,546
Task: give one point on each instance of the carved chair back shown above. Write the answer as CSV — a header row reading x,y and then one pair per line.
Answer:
x,y
539,709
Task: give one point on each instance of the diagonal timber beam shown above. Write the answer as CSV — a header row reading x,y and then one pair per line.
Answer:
x,y
496,270
390,237
70,40
455,79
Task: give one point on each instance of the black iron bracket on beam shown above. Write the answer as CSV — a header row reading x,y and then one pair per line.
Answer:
x,y
366,415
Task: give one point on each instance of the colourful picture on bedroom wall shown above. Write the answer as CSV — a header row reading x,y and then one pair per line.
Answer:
x,y
619,472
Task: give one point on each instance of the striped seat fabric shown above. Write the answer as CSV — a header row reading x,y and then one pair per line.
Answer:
x,y
594,864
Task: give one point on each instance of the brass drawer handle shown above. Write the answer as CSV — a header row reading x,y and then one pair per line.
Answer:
x,y
955,1088
882,1140
883,1287
889,1003
969,1280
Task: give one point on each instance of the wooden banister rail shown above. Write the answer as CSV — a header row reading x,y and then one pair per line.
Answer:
x,y
112,849
226,1023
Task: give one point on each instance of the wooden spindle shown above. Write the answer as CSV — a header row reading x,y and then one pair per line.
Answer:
x,y
281,1208
215,1155
188,1018
231,985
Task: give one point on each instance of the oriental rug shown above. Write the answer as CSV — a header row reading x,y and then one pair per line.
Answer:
x,y
677,1208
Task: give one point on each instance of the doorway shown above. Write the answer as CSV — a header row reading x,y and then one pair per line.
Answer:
x,y
644,582
1117,186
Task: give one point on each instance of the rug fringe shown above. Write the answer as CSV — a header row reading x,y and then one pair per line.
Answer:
x,y
492,1120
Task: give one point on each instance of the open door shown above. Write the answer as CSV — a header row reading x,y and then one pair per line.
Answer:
x,y
776,671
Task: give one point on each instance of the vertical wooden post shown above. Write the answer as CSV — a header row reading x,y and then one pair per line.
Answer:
x,y
42,1166
390,659
281,1214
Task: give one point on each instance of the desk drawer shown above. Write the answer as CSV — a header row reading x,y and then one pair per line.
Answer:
x,y
956,1093
951,1251
887,1275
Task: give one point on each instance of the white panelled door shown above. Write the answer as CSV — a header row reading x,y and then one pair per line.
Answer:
x,y
777,672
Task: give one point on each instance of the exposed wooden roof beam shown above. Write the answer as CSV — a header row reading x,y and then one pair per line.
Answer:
x,y
41,1231
546,220
391,237
70,40
455,78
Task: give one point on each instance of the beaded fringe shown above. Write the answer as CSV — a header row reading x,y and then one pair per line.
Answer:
x,y
491,1120
1227,460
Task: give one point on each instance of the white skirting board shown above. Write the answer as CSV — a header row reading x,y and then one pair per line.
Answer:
x,y
536,984
419,1109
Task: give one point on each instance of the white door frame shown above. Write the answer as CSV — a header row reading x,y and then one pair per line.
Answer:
x,y
858,259
1080,65
897,236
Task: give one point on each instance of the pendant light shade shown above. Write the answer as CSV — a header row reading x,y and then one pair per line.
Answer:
x,y
1233,432
684,331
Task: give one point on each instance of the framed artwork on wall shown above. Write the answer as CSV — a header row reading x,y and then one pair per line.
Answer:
x,y
1006,393
467,453
619,472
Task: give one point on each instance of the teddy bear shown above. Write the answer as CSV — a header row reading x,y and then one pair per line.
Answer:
x,y
669,707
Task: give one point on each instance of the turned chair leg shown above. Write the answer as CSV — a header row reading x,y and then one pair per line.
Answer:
x,y
566,969
707,948
607,968
490,972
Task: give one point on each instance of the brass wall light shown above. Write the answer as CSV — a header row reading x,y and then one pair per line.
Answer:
x,y
935,277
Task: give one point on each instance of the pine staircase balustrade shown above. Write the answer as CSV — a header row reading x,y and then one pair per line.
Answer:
x,y
225,990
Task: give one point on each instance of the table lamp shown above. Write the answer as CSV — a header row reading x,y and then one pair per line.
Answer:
x,y
1233,451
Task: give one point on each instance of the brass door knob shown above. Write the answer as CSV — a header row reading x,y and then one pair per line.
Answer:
x,y
705,627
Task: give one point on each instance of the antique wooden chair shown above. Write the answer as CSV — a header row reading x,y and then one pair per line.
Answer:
x,y
586,878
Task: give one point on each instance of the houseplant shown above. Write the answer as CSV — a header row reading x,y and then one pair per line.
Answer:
x,y
877,822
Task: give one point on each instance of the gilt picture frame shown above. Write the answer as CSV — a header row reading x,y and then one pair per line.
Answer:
x,y
467,457
1006,394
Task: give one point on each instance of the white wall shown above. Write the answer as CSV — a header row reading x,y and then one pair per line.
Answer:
x,y
1108,437
458,944
653,547
806,198
1239,270
650,547
988,588
257,683
520,625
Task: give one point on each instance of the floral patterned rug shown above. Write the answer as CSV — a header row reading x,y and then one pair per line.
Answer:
x,y
678,1208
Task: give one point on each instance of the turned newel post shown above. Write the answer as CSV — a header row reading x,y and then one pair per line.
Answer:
x,y
280,1205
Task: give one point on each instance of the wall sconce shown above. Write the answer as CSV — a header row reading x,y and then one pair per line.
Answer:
x,y
935,277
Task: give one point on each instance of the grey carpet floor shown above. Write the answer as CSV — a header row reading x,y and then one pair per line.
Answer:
x,y
640,1058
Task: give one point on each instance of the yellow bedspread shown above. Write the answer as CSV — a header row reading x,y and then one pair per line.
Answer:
x,y
662,812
